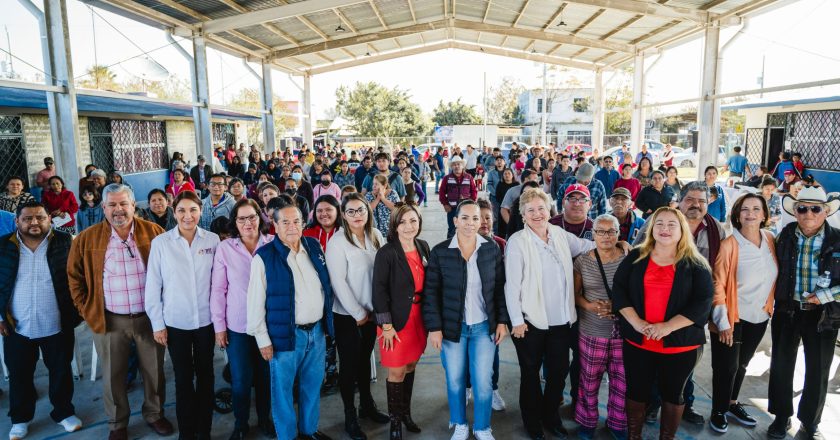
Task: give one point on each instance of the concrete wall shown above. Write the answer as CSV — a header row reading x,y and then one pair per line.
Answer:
x,y
38,142
180,136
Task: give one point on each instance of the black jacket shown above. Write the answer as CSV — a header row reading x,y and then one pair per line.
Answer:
x,y
444,293
651,199
787,253
195,175
57,251
393,284
691,296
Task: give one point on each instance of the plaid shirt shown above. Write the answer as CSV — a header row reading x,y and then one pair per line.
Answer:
x,y
124,280
808,268
597,193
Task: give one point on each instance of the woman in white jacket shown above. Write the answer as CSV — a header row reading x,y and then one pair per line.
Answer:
x,y
350,255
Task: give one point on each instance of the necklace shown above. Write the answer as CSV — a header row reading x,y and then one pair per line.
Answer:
x,y
582,229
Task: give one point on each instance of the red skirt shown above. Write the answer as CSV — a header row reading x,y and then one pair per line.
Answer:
x,y
412,341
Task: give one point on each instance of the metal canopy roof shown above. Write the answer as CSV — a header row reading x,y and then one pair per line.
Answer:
x,y
318,36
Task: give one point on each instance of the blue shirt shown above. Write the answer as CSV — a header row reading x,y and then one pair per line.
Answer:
x,y
736,163
717,209
7,222
608,178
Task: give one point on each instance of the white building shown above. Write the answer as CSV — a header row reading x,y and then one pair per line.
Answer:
x,y
569,117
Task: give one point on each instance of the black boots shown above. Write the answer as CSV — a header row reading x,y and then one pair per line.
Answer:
x,y
408,383
351,425
395,403
368,410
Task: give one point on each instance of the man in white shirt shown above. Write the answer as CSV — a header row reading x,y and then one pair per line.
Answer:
x,y
471,157
291,270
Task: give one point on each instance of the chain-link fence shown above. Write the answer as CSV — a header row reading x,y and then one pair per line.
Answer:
x,y
12,150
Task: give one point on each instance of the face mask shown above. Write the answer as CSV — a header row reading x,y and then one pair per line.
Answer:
x,y
325,182
290,191
297,176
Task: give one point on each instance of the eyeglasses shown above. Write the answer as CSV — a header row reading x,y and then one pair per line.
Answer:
x,y
248,219
128,248
356,212
577,200
802,209
605,233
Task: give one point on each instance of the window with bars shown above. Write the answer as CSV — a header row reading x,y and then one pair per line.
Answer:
x,y
12,150
816,135
130,146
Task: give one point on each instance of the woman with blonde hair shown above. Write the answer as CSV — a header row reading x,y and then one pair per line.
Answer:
x,y
662,293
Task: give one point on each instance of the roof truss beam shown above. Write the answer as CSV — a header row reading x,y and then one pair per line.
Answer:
x,y
273,14
647,8
493,50
544,36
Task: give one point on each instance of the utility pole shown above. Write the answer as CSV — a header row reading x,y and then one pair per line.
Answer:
x,y
484,118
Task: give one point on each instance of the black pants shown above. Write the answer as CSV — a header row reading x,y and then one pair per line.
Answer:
x,y
729,364
355,344
642,367
21,356
787,330
574,366
192,358
540,407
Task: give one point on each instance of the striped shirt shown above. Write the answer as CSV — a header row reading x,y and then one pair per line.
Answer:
x,y
124,277
593,290
33,304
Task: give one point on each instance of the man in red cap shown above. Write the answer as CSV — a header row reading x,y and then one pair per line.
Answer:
x,y
790,178
575,217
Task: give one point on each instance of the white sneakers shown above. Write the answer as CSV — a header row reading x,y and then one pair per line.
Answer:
x,y
18,431
498,402
462,432
484,435
71,424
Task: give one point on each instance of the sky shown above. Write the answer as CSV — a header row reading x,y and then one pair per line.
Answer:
x,y
798,43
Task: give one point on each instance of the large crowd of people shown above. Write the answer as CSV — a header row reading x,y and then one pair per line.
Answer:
x,y
302,265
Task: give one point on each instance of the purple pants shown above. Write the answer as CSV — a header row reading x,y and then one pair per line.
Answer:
x,y
599,355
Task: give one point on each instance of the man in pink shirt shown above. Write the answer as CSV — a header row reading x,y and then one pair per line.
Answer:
x,y
43,177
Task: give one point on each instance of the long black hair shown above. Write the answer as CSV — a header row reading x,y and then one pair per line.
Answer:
x,y
331,200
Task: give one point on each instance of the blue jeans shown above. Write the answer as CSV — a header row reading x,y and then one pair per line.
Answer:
x,y
248,369
450,223
474,351
438,177
495,372
307,363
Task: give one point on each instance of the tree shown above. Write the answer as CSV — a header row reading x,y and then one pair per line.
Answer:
x,y
101,78
377,111
173,88
620,97
502,102
455,113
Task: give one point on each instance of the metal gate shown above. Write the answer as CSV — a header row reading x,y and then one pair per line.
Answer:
x,y
224,134
101,143
130,146
12,150
754,147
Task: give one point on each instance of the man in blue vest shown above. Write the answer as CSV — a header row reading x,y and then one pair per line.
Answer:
x,y
289,309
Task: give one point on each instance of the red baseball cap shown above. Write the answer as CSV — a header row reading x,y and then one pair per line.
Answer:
x,y
576,188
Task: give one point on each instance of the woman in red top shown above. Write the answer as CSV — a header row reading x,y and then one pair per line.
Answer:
x,y
61,203
179,183
662,293
399,272
324,220
628,181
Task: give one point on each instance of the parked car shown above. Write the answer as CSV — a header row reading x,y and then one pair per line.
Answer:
x,y
586,148
688,158
506,146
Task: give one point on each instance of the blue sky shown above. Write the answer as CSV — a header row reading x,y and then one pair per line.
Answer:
x,y
798,42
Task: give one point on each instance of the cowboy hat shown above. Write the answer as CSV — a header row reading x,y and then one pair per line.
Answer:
x,y
811,194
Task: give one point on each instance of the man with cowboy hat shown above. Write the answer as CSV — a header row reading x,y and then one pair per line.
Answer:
x,y
806,310
456,186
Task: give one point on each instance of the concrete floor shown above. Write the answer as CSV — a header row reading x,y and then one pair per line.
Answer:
x,y
429,405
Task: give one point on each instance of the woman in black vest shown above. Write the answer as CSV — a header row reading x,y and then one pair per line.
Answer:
x,y
465,312
398,275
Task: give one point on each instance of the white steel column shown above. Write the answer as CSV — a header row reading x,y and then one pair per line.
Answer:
x,y
307,109
544,115
201,91
62,108
709,115
598,102
637,121
267,101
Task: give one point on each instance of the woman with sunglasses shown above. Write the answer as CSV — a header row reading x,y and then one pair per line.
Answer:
x,y
228,311
350,258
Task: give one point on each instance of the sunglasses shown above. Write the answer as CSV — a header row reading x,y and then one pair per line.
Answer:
x,y
816,209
